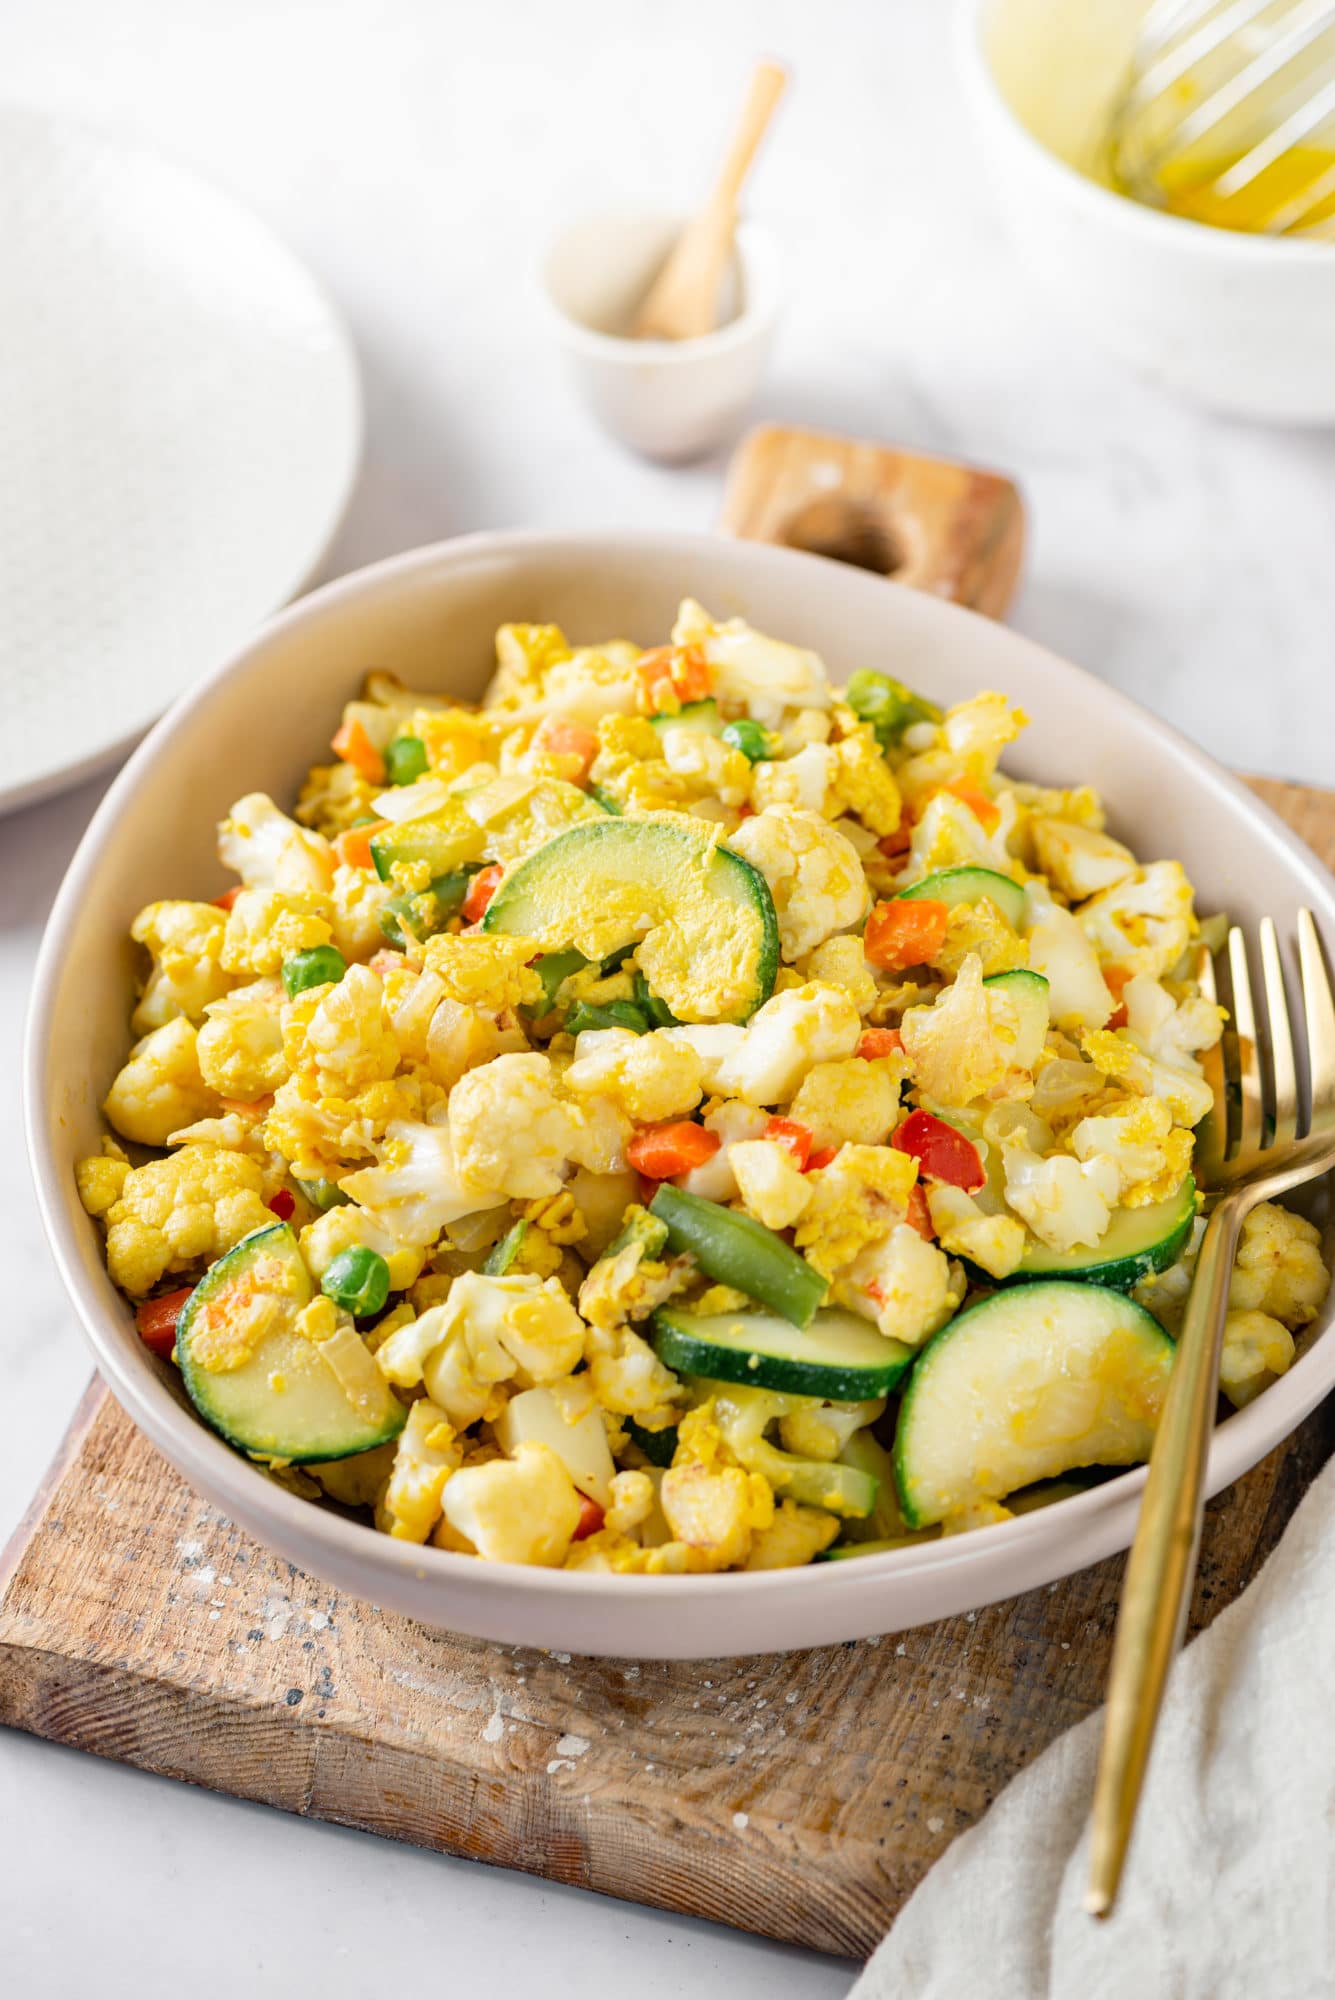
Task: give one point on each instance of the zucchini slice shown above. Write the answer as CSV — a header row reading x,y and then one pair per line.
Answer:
x,y
697,718
1027,1385
953,886
703,918
838,1356
1136,1243
258,1381
444,840
1028,992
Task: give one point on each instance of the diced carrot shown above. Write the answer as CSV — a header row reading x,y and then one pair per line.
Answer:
x,y
382,962
355,747
892,845
480,892
670,676
227,898
905,932
794,1138
569,739
156,1320
874,1042
821,1159
919,1216
353,846
1115,978
591,1518
283,1204
672,1148
247,1107
985,810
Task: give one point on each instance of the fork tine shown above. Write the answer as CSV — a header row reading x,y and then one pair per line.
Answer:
x,y
1212,1132
1281,1037
1249,1062
1319,1010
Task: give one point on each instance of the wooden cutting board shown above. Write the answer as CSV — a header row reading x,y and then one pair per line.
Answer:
x,y
801,1796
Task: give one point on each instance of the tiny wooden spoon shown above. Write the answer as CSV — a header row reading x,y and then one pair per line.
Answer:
x,y
682,302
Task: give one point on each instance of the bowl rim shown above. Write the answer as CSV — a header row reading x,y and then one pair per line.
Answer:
x,y
1199,239
1236,1444
757,249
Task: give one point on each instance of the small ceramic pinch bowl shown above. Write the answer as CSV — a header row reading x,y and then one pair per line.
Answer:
x,y
1245,323
431,617
669,399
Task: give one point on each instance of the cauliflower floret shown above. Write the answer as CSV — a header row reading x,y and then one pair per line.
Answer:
x,y
1139,1138
349,1227
266,926
841,962
1078,860
786,1038
979,927
856,1201
995,1243
804,782
651,1077
794,1536
520,1329
1279,1269
1144,924
1257,1351
485,971
904,1283
634,1497
774,1191
978,730
853,1101
511,1133
333,797
160,1086
863,782
1065,1201
425,1457
960,1046
1078,996
270,851
713,769
416,1188
185,942
628,1378
950,834
101,1182
354,907
713,1043
813,872
732,1122
1181,1085
341,1029
181,1211
240,1045
1173,1032
763,675
820,1430
716,1509
521,1510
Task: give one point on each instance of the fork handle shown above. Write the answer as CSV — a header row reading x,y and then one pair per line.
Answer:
x,y
1157,1586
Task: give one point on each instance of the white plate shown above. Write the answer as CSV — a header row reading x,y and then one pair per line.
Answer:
x,y
180,424
431,618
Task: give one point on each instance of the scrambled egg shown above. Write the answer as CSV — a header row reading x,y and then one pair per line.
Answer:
x,y
483,1118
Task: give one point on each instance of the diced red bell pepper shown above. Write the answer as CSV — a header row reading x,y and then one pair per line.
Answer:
x,y
821,1159
156,1320
480,892
942,1153
591,1518
892,845
672,1148
227,898
919,1216
905,932
283,1204
793,1137
875,1042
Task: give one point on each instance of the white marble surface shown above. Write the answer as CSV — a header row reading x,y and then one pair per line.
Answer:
x,y
418,152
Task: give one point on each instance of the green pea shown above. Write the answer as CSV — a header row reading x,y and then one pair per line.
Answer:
x,y
405,760
887,705
357,1280
616,1014
321,966
749,738
323,1195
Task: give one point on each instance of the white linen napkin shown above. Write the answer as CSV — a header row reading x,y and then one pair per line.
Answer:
x,y
1229,1890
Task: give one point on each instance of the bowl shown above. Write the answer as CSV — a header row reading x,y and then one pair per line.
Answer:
x,y
1241,322
430,616
669,399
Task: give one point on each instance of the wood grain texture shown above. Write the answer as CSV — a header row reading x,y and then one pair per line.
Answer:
x,y
947,528
802,1796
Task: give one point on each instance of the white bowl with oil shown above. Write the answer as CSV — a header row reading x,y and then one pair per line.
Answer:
x,y
1243,322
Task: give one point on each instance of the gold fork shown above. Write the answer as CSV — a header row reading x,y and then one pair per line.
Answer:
x,y
1235,1177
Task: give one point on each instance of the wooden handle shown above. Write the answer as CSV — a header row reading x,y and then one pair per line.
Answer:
x,y
682,302
952,529
1162,1563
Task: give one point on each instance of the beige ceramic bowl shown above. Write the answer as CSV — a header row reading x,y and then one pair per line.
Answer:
x,y
430,617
